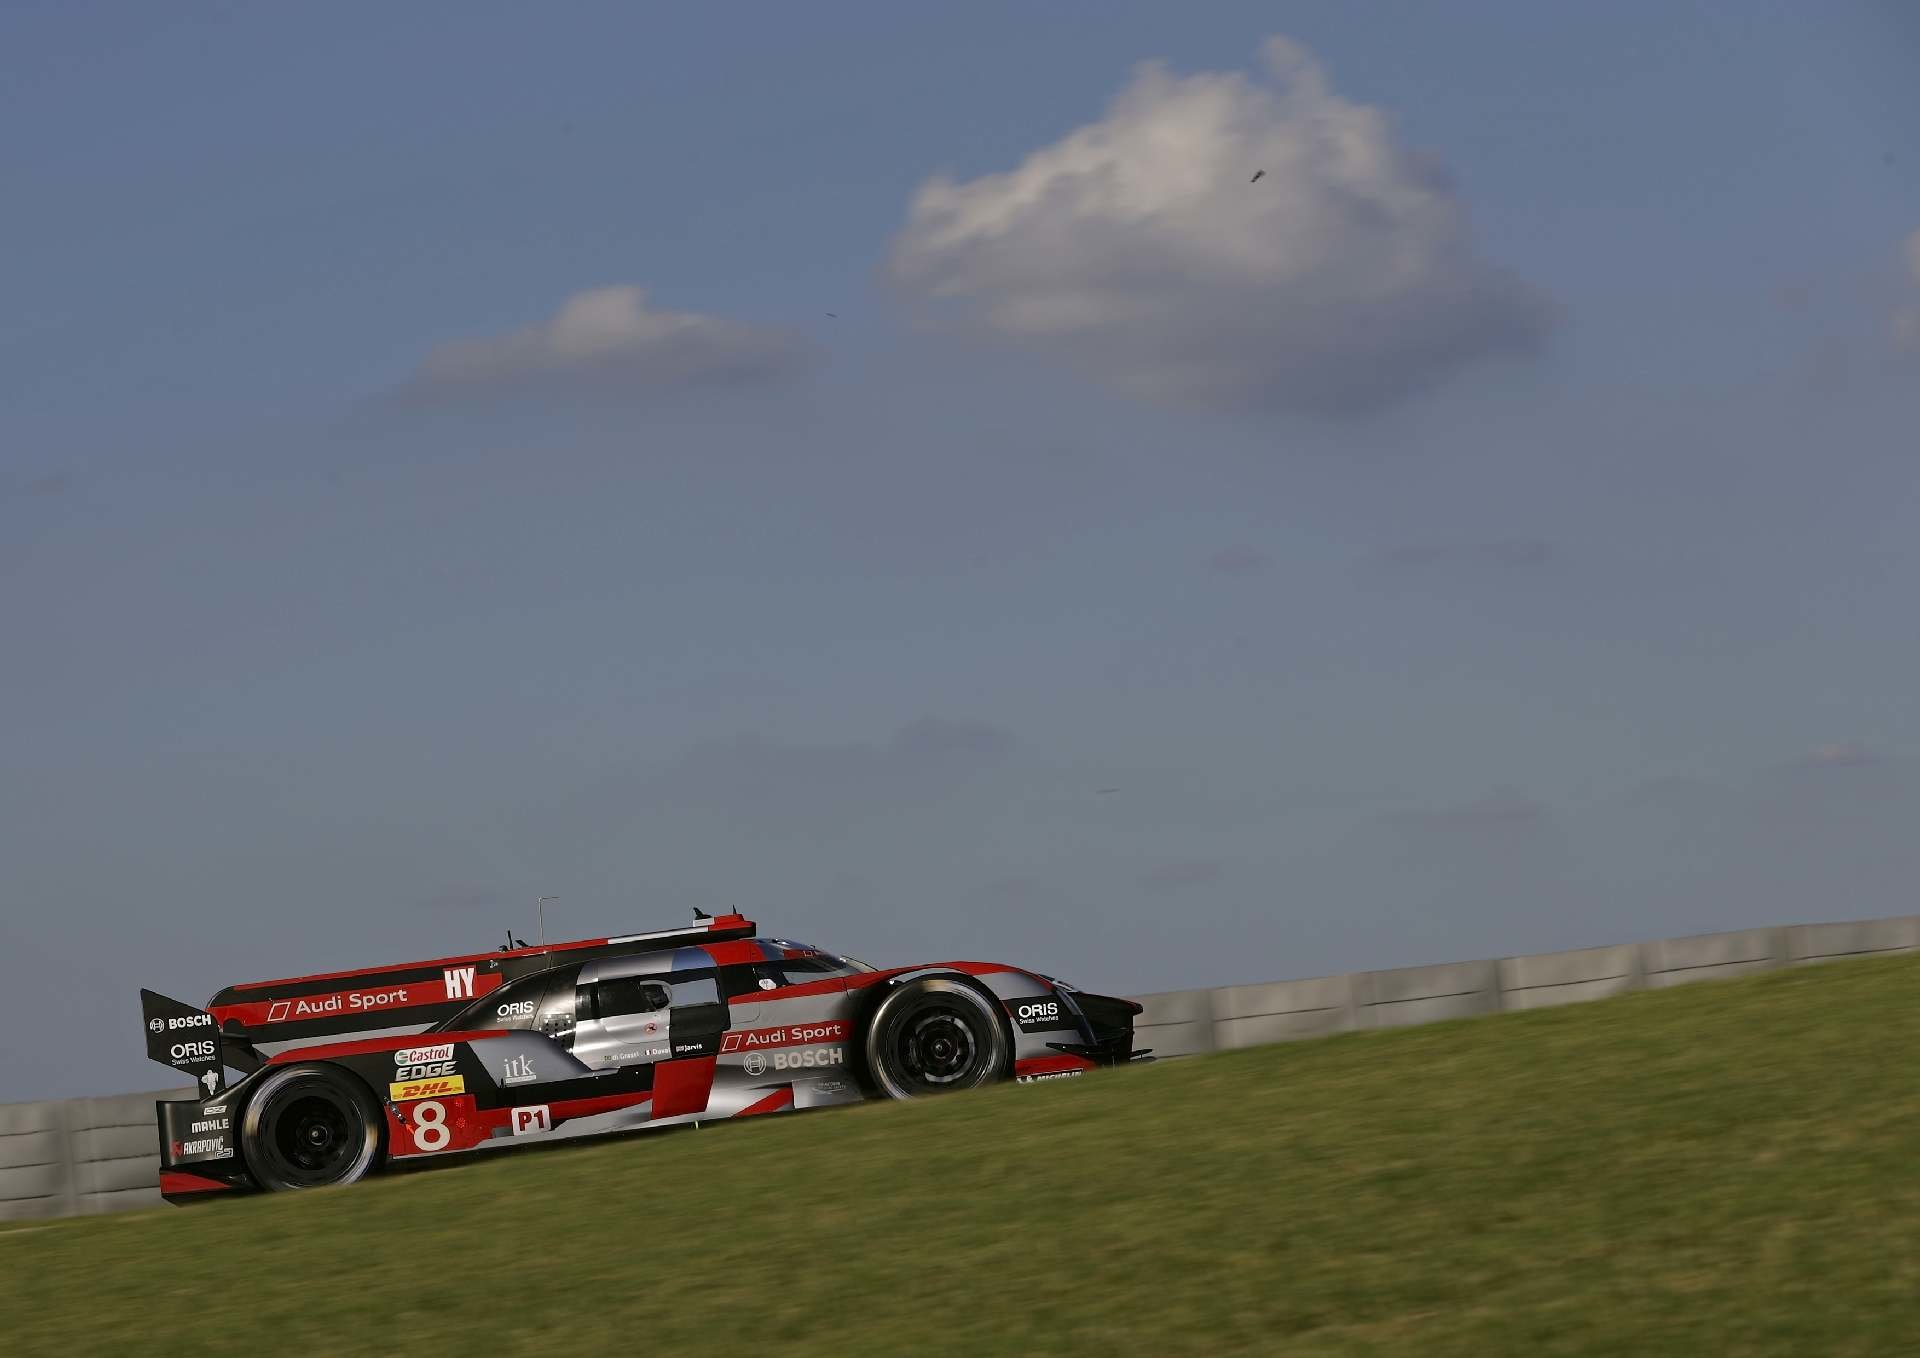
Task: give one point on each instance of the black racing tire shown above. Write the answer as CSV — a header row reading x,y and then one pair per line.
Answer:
x,y
310,1127
936,1035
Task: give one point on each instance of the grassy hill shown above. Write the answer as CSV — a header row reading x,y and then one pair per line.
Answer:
x,y
1726,1168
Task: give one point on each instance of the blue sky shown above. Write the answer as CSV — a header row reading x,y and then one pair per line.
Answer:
x,y
430,478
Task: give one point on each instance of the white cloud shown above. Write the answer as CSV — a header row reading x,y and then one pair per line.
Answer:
x,y
608,340
1136,248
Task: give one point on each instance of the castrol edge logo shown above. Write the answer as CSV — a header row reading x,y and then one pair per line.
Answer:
x,y
420,1056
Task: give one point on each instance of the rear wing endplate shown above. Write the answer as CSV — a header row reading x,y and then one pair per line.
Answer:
x,y
184,1038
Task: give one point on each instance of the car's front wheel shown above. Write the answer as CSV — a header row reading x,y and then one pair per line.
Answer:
x,y
934,1036
309,1127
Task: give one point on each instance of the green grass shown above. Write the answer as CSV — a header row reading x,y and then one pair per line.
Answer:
x,y
1726,1168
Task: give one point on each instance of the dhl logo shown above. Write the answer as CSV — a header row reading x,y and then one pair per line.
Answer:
x,y
408,1090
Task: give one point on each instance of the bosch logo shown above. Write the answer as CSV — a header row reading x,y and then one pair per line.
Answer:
x,y
755,1064
156,1026
189,1021
809,1059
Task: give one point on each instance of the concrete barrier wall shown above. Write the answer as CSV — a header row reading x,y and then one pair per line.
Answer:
x,y
80,1156
1250,1015
1394,999
1708,957
1568,977
1862,938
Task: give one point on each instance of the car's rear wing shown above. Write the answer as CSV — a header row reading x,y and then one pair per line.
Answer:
x,y
256,1019
185,1038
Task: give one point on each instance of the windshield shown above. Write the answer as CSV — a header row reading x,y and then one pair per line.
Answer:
x,y
805,957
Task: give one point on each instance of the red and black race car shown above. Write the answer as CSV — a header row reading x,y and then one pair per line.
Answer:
x,y
346,1072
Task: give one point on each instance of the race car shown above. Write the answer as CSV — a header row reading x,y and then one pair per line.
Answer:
x,y
344,1073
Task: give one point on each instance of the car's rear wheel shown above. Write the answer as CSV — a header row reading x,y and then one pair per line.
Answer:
x,y
936,1035
309,1127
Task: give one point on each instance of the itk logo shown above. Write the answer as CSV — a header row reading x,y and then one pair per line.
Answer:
x,y
526,1121
459,981
518,1070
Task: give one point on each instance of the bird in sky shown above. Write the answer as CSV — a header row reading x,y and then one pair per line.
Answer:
x,y
834,315
1256,176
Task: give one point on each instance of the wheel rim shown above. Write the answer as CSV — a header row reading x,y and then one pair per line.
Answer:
x,y
938,1048
311,1137
933,1044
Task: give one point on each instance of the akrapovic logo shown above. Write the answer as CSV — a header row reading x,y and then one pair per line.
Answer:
x,y
212,1148
406,1091
1040,1015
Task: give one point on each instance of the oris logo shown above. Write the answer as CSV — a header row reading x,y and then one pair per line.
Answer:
x,y
517,1009
194,1051
1035,1016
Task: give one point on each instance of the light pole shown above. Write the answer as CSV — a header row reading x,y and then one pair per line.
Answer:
x,y
541,905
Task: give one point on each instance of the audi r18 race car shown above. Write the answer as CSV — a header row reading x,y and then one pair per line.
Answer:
x,y
346,1072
